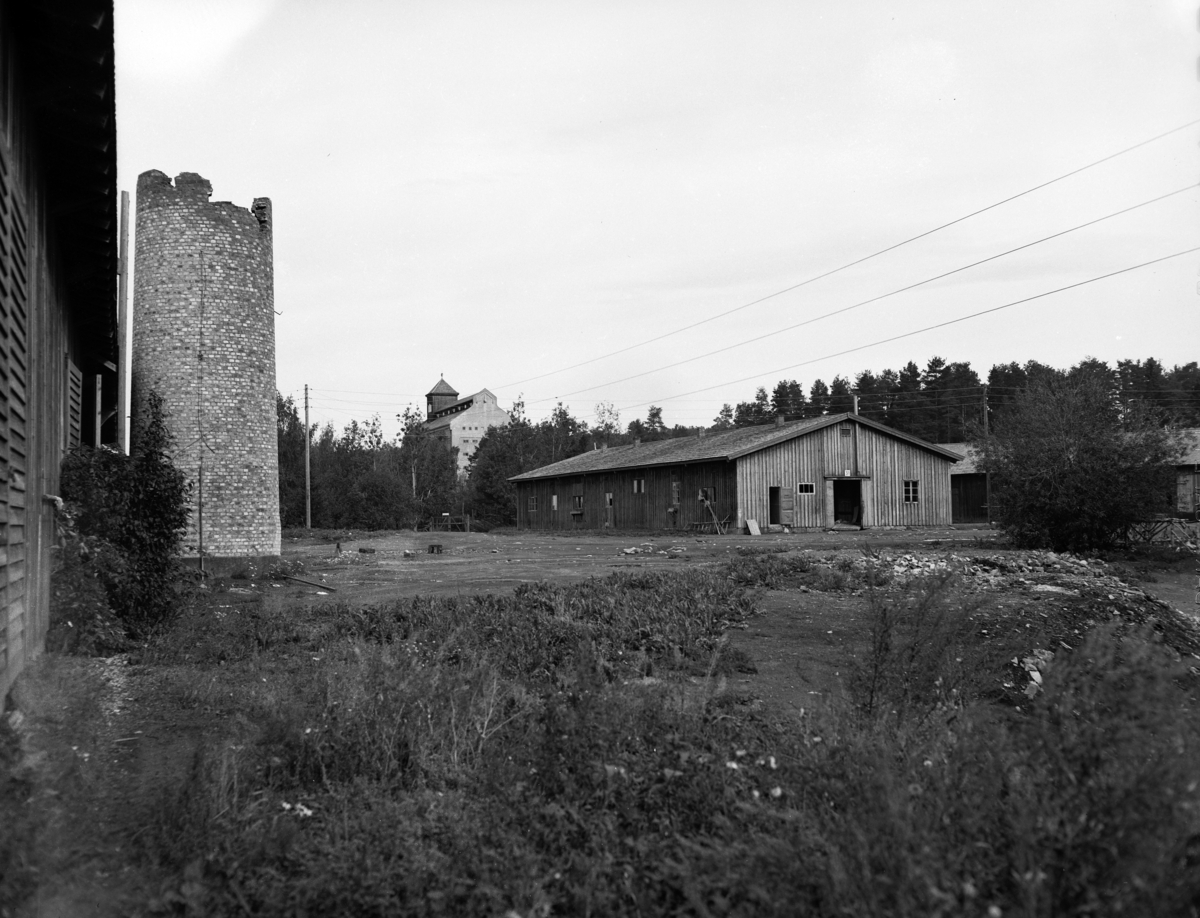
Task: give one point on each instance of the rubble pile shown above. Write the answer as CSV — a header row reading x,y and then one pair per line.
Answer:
x,y
1092,587
648,548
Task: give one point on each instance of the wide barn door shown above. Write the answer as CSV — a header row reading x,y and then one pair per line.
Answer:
x,y
968,498
14,363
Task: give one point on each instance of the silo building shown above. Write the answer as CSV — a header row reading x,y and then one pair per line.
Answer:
x,y
204,339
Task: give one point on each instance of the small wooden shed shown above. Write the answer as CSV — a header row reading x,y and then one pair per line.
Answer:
x,y
842,470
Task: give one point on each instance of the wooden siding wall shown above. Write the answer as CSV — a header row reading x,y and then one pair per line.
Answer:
x,y
883,464
968,498
35,352
649,510
14,421
1187,490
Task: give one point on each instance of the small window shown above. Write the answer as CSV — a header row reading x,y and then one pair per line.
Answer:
x,y
639,486
845,430
709,494
531,504
553,501
577,502
911,492
806,487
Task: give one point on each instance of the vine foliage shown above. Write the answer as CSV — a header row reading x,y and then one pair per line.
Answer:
x,y
124,520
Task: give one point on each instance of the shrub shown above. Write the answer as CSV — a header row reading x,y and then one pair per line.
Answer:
x,y
1107,784
669,620
775,571
924,651
133,510
22,823
1071,471
81,620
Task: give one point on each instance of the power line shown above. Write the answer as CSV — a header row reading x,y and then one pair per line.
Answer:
x,y
370,392
857,261
874,299
973,315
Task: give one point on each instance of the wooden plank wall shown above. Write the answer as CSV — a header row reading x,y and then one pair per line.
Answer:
x,y
14,438
51,351
1187,490
968,498
648,510
883,464
35,351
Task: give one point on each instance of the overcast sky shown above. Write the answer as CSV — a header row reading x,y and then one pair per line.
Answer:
x,y
499,191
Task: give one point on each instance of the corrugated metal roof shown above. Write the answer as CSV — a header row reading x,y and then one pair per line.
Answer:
x,y
725,444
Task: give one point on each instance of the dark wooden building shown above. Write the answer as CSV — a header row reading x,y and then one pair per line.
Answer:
x,y
968,487
820,473
58,283
969,493
1187,477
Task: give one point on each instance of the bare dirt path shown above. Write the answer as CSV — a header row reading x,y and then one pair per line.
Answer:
x,y
377,566
1181,589
801,644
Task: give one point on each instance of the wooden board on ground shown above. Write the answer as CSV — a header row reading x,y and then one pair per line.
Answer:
x,y
752,525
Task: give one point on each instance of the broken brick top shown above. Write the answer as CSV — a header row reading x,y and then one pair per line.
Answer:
x,y
154,186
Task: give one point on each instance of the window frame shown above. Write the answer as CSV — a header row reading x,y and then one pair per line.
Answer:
x,y
806,488
531,503
639,486
912,490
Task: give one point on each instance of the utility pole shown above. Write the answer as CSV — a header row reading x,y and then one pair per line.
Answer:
x,y
200,510
123,356
987,476
307,466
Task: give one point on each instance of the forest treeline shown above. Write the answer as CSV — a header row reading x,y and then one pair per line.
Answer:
x,y
363,480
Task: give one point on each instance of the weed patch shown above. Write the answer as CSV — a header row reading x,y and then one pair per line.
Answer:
x,y
500,754
774,571
18,876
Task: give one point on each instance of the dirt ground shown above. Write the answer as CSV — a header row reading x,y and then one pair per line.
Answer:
x,y
97,733
371,567
801,643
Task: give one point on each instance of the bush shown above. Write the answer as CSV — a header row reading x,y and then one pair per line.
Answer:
x,y
131,512
22,822
775,571
1070,471
81,619
1106,780
925,652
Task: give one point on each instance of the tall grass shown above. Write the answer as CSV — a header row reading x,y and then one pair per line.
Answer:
x,y
498,755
